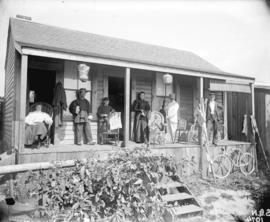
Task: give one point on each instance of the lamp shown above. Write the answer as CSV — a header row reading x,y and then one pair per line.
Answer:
x,y
167,79
83,70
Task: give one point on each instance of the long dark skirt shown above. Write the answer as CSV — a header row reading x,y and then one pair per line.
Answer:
x,y
33,131
141,129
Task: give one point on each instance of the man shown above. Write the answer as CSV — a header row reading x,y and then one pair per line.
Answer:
x,y
80,109
103,114
140,130
212,118
37,125
172,115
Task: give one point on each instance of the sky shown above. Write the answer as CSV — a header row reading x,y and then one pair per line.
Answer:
x,y
234,35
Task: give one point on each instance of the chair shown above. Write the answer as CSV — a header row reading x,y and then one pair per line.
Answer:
x,y
111,131
46,108
181,128
157,128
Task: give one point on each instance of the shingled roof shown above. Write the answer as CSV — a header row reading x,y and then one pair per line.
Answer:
x,y
41,36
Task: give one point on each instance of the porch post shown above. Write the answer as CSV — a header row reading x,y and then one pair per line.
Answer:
x,y
127,107
22,91
253,113
225,113
252,98
201,87
203,160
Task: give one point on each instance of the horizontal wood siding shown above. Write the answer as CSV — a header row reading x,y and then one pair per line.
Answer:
x,y
65,135
219,96
144,83
186,103
262,113
9,98
239,104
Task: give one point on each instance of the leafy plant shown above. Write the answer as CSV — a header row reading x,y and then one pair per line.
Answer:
x,y
119,189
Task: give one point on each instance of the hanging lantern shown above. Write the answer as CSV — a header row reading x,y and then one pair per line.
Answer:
x,y
167,79
83,70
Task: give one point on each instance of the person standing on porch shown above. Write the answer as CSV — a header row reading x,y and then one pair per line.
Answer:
x,y
172,115
140,130
80,109
212,118
103,113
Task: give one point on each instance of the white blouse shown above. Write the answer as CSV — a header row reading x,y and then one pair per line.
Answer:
x,y
38,117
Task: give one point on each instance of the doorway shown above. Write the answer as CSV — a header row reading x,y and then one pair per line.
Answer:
x,y
116,97
42,83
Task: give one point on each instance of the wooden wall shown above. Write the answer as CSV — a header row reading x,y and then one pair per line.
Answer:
x,y
239,104
218,94
65,134
9,98
262,114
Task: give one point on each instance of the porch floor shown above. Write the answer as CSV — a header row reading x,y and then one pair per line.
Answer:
x,y
111,147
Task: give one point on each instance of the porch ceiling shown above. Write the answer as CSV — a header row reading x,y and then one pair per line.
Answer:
x,y
40,36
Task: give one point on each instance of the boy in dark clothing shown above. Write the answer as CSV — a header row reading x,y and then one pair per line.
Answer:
x,y
80,109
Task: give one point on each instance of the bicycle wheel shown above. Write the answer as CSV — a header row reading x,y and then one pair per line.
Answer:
x,y
221,166
247,164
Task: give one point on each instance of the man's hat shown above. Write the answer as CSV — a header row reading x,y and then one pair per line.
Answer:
x,y
212,94
172,96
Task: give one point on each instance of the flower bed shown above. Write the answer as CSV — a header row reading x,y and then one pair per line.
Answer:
x,y
122,188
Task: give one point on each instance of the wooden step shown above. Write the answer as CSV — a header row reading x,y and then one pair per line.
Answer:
x,y
175,197
186,209
170,185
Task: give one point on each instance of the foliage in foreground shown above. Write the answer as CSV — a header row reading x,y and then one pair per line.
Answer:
x,y
119,189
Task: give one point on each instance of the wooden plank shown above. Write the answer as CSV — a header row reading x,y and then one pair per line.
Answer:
x,y
114,62
127,107
186,209
229,87
225,113
24,67
176,197
32,166
169,185
252,99
201,87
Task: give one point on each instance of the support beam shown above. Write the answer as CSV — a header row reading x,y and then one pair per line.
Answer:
x,y
22,91
127,107
252,98
253,113
225,113
201,87
203,161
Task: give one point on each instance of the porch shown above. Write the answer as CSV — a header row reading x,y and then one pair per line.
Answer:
x,y
190,152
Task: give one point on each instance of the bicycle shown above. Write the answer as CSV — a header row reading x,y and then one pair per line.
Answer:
x,y
223,164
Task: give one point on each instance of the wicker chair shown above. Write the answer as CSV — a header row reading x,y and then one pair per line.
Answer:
x,y
46,108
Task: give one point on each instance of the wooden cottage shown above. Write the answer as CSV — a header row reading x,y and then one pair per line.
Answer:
x,y
38,56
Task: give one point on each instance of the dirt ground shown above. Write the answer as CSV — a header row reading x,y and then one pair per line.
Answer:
x,y
230,199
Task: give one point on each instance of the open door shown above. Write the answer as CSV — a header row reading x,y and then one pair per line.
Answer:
x,y
116,97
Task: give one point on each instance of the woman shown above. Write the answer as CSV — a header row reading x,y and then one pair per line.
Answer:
x,y
140,130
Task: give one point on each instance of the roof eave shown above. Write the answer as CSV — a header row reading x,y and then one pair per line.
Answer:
x,y
199,72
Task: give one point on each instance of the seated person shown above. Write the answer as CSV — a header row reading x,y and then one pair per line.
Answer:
x,y
103,114
35,126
